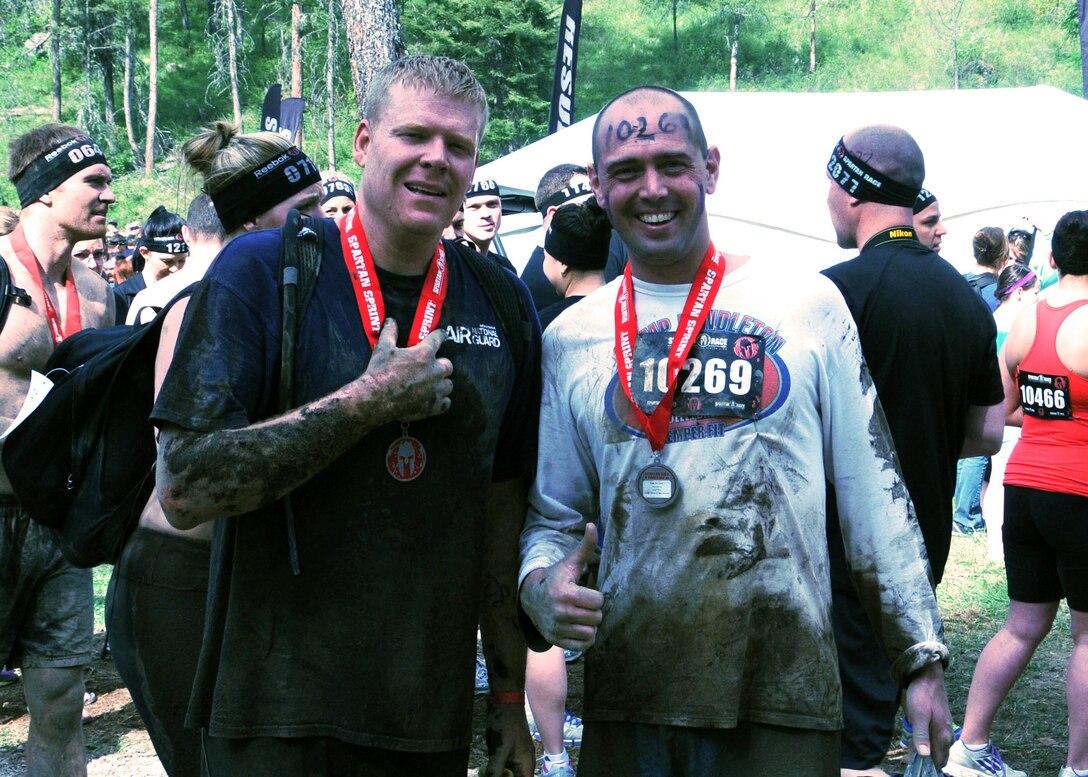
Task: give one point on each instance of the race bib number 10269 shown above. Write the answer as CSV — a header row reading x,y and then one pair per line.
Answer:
x,y
721,378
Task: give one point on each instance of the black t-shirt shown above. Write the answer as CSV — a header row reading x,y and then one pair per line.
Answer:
x,y
929,342
550,313
374,642
539,286
125,293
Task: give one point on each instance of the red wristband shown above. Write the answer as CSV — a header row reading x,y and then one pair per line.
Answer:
x,y
508,697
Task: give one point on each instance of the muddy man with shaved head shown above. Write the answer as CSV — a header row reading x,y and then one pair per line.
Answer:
x,y
693,411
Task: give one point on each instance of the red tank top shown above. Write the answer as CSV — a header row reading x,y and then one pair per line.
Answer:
x,y
1052,453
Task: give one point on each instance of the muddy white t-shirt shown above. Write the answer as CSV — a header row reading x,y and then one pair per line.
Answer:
x,y
717,607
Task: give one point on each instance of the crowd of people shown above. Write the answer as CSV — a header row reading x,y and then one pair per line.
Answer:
x,y
729,491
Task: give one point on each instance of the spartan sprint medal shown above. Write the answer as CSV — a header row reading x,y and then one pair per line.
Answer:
x,y
405,458
658,485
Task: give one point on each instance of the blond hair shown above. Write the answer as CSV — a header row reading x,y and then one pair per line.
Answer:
x,y
222,153
9,218
442,75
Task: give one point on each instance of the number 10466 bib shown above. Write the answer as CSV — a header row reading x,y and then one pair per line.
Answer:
x,y
1045,396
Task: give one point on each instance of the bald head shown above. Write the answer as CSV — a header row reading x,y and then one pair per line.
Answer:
x,y
890,150
644,113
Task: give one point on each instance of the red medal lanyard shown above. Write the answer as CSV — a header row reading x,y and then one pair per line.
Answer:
x,y
368,294
704,289
26,255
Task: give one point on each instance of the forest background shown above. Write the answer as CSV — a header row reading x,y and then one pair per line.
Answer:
x,y
97,63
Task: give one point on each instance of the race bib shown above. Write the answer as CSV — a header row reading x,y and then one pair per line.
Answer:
x,y
721,378
1045,396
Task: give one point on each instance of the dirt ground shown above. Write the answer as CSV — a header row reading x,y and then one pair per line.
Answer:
x,y
118,745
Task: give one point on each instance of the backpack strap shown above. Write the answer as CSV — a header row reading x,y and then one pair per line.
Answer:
x,y
9,293
499,286
300,265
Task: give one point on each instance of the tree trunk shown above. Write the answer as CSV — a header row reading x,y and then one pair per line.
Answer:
x,y
54,47
955,59
374,40
675,36
733,53
126,94
296,50
152,85
330,65
812,42
296,62
104,53
231,25
1082,20
109,101
183,9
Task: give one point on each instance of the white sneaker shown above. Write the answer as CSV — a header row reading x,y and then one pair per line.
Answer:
x,y
986,762
1067,771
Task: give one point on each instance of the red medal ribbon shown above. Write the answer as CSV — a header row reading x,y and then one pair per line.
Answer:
x,y
708,279
71,317
368,294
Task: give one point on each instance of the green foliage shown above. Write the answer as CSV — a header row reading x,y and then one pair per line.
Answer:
x,y
510,47
861,45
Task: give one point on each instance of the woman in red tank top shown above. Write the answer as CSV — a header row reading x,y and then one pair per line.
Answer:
x,y
1045,534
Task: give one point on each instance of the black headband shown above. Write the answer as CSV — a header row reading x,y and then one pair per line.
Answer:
x,y
571,192
287,173
165,244
865,183
56,166
483,188
924,199
576,252
336,187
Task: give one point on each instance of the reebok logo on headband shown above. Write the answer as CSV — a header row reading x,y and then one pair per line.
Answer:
x,y
56,166
258,191
272,165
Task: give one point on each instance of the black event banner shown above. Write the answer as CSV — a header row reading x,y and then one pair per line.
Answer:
x,y
281,116
270,111
566,59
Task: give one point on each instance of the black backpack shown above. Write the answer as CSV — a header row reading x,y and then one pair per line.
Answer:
x,y
83,462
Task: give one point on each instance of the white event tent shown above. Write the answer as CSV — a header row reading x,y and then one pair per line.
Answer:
x,y
994,157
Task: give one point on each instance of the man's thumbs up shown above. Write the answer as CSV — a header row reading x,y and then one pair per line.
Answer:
x,y
566,613
578,559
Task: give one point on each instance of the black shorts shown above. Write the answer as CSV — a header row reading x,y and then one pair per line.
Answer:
x,y
1045,535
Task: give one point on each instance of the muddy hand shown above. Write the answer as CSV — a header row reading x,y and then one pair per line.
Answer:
x,y
409,383
566,613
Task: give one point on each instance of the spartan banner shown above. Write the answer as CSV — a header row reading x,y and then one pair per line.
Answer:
x,y
566,58
283,117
